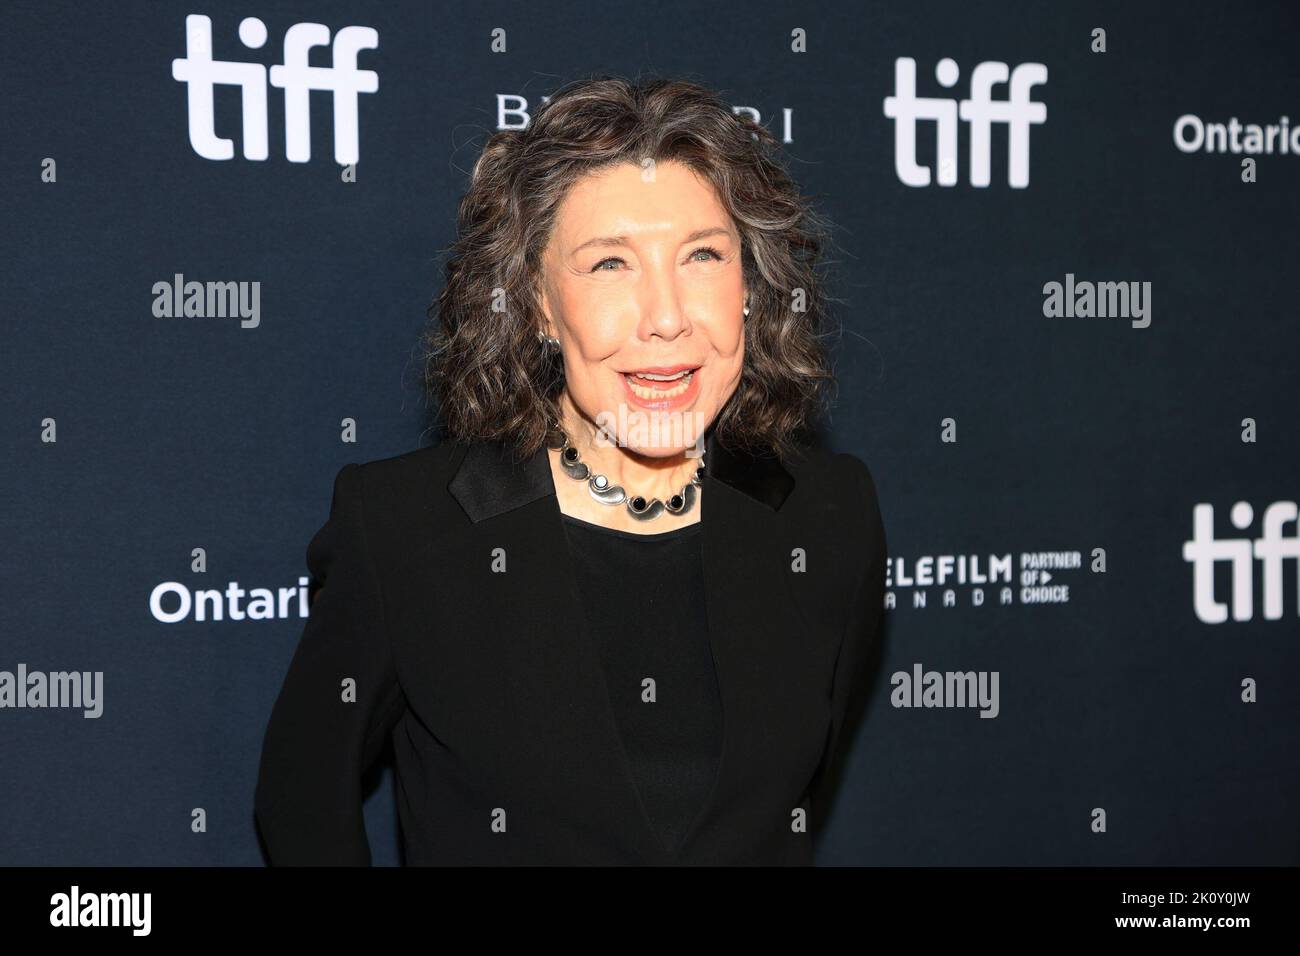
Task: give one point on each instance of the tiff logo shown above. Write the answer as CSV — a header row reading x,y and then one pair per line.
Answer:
x,y
1270,549
981,111
200,73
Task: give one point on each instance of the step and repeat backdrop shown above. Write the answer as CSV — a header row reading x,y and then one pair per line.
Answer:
x,y
1066,333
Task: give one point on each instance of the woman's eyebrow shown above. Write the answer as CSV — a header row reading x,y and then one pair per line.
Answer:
x,y
623,240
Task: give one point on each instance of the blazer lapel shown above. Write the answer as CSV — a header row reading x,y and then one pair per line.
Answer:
x,y
753,626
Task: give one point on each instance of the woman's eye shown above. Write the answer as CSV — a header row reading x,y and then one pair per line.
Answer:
x,y
708,251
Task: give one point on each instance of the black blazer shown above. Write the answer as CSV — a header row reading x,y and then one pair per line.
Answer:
x,y
496,703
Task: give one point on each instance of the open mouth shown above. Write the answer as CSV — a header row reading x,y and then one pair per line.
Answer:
x,y
656,386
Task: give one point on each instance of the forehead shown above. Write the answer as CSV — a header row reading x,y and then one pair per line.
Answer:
x,y
669,195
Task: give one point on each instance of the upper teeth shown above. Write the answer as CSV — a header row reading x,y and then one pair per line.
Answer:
x,y
662,378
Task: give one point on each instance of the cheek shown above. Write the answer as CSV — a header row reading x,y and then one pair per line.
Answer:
x,y
591,341
728,339
736,341
725,364
596,327
720,316
732,366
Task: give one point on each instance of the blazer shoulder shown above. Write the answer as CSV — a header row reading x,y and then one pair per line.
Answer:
x,y
838,474
860,472
809,461
840,488
408,476
405,494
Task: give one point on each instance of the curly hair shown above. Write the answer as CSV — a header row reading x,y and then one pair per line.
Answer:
x,y
484,365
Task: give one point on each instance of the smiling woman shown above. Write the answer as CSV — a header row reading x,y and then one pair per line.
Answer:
x,y
654,331
648,238
625,612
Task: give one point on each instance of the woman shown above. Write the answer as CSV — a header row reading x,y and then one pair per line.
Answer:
x,y
587,643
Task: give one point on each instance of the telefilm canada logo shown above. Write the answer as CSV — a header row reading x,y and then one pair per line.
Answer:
x,y
343,80
977,580
980,111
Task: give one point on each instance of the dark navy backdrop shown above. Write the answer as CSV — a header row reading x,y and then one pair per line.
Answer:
x,y
1119,705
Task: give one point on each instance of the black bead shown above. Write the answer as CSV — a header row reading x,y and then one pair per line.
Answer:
x,y
570,455
676,501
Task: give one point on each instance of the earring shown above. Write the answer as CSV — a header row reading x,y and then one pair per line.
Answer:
x,y
549,341
746,309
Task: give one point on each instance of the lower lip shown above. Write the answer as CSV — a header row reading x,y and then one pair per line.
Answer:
x,y
664,404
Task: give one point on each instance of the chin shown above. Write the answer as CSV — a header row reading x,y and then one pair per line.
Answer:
x,y
657,451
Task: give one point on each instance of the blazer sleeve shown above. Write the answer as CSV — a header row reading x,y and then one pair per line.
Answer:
x,y
861,637
322,736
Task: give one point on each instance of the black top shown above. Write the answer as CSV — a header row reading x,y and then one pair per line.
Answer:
x,y
447,621
643,596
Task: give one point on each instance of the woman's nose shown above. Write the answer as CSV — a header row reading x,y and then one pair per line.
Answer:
x,y
663,314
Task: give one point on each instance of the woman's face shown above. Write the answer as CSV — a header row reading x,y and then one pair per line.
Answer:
x,y
642,274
